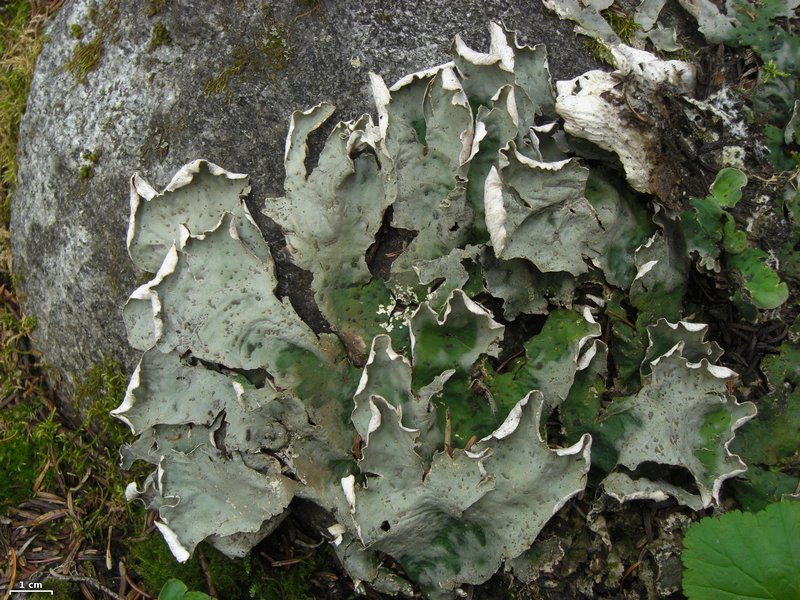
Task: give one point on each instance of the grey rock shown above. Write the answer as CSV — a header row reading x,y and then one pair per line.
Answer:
x,y
222,88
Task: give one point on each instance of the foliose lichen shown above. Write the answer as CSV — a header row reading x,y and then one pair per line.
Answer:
x,y
418,423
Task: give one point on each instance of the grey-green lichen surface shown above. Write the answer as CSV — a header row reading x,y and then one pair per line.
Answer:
x,y
418,423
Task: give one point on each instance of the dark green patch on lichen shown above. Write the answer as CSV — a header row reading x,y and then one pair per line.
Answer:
x,y
159,36
76,31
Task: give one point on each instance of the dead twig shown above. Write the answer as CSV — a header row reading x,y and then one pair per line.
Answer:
x,y
310,11
212,591
13,577
447,428
87,581
136,588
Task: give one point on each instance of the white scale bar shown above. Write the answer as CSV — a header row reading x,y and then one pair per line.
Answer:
x,y
32,592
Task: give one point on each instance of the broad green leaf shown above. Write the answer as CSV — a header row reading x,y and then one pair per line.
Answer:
x,y
727,187
175,589
733,240
703,230
765,288
772,438
759,487
744,555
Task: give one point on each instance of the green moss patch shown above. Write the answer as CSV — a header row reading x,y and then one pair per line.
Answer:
x,y
243,579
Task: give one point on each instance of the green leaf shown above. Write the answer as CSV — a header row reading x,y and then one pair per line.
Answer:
x,y
757,488
175,589
727,187
733,241
757,28
772,438
766,289
744,555
775,139
703,230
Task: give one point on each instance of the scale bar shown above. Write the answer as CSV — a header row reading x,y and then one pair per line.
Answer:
x,y
32,592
